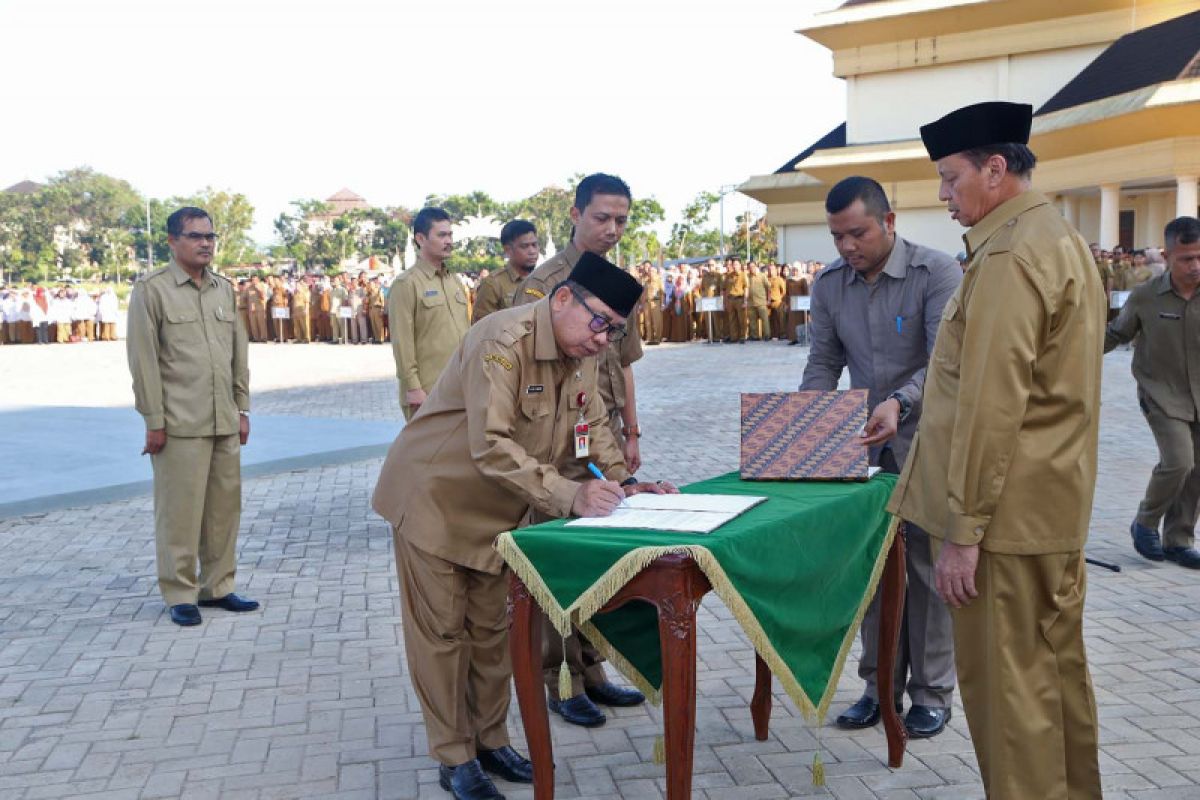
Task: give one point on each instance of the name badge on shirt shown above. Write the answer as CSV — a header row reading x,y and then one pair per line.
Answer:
x,y
582,440
535,388
431,292
1168,315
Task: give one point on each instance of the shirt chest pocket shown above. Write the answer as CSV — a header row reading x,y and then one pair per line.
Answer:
x,y
947,350
535,426
182,325
432,299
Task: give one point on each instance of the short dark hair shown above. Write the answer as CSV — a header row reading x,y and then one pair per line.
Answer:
x,y
515,229
176,220
856,187
1019,158
1182,230
600,183
425,218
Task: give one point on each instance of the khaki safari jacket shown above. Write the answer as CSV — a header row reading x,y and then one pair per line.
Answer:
x,y
496,292
187,352
492,441
1005,456
427,316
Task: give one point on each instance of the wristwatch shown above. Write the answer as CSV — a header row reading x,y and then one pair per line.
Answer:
x,y
244,413
631,430
905,405
630,481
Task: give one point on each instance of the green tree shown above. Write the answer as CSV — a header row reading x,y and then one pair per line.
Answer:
x,y
550,211
691,236
763,241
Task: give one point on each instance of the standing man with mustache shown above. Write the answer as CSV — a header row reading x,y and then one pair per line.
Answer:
x,y
191,384
599,214
427,311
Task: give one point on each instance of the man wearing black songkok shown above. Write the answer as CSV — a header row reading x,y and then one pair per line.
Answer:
x,y
1003,468
489,447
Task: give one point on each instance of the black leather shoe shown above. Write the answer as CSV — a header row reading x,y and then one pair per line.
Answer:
x,y
862,714
185,614
579,710
468,782
1183,556
1146,542
508,764
922,722
612,695
231,602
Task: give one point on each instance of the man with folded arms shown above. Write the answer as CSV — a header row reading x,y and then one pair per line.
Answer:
x,y
487,449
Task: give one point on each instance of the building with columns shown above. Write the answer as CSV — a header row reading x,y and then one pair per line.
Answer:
x,y
1115,86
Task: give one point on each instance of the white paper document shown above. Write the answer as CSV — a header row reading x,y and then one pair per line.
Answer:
x,y
686,513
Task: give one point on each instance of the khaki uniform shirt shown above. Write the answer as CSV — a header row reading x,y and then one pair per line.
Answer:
x,y
777,288
1166,357
496,292
652,290
758,290
493,441
427,313
301,298
187,353
1005,457
619,354
734,285
256,297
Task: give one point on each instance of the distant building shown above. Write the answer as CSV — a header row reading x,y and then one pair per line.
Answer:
x,y
1115,86
340,203
24,187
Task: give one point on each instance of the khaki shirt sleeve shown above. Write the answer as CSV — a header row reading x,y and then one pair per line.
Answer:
x,y
491,386
605,450
402,304
630,346
141,347
241,365
999,350
487,299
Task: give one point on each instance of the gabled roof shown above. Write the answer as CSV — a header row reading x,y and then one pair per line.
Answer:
x,y
345,195
835,138
1160,53
24,187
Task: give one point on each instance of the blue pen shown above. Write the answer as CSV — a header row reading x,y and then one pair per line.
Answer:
x,y
596,471
899,324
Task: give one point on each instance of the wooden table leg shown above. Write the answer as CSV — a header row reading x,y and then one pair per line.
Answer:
x,y
890,615
760,703
677,634
525,642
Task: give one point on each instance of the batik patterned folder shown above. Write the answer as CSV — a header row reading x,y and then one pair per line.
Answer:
x,y
804,436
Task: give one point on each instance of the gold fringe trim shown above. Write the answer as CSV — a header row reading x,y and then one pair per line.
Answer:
x,y
818,770
622,665
629,565
659,754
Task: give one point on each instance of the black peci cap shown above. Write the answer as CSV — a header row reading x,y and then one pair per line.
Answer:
x,y
609,283
976,126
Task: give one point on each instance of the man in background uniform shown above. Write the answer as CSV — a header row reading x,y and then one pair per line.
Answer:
x,y
427,311
1163,322
520,242
711,285
758,294
652,302
376,306
733,288
599,214
876,310
301,304
487,432
776,300
256,304
1003,469
191,384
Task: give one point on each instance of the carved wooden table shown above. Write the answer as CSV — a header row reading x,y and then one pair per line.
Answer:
x,y
674,584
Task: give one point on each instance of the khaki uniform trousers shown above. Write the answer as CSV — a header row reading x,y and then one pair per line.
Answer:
x,y
456,644
1173,494
377,332
654,323
258,326
760,322
197,508
735,319
1023,675
302,324
779,316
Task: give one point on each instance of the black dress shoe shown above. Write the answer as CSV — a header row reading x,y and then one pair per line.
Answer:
x,y
185,614
579,710
862,714
468,782
231,602
612,695
508,764
922,722
1146,542
1183,556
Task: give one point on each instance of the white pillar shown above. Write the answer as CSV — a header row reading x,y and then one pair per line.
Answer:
x,y
1186,196
1071,210
1156,218
1110,215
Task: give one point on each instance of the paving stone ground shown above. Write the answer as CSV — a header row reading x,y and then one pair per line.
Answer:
x,y
102,697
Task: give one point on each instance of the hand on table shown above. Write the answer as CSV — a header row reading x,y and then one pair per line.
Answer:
x,y
659,487
597,498
883,424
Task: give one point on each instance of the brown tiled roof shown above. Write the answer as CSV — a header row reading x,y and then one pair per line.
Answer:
x,y
24,187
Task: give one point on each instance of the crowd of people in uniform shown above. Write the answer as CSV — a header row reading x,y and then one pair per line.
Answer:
x,y
34,314
984,389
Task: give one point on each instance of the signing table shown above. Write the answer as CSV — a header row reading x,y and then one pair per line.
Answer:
x,y
797,571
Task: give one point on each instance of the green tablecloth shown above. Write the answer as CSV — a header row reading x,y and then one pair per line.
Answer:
x,y
797,571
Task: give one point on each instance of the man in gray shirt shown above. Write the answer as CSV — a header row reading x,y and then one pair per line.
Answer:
x,y
876,310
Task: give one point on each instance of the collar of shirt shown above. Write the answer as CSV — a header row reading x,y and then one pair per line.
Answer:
x,y
571,254
1000,216
515,274
181,277
1164,283
895,267
429,270
545,347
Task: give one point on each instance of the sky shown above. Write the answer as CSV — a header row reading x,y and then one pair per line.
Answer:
x,y
397,100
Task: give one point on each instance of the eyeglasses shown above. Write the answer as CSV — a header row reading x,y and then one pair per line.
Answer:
x,y
600,323
192,236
